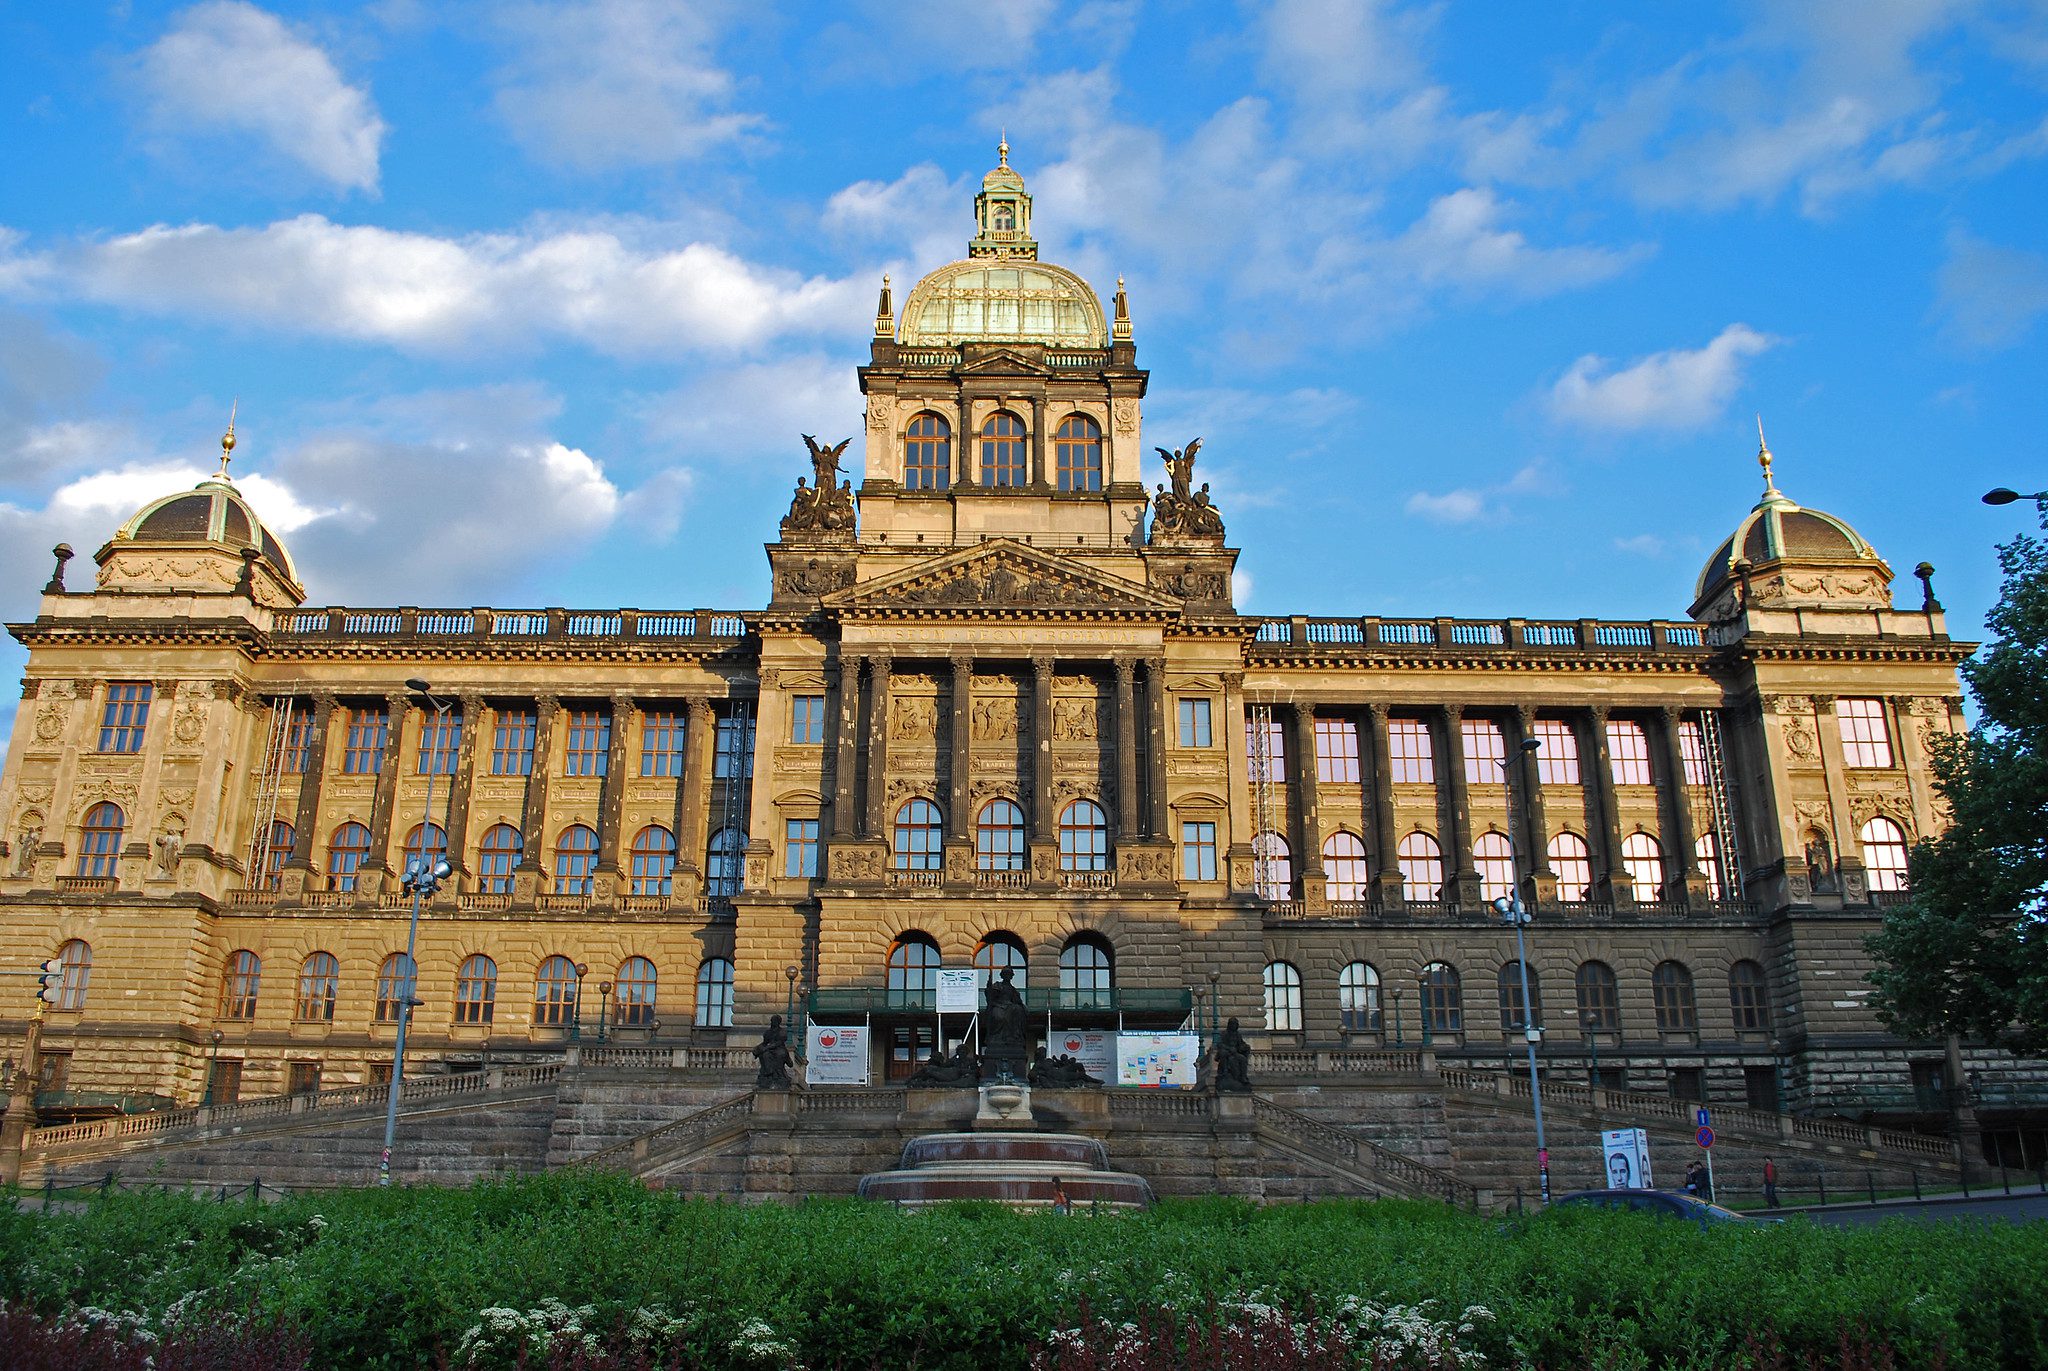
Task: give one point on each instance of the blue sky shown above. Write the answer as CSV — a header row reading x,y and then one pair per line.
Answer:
x,y
1473,305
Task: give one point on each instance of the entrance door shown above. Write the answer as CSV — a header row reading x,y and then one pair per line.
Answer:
x,y
910,1046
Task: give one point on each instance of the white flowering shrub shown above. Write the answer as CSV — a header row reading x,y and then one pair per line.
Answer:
x,y
500,1335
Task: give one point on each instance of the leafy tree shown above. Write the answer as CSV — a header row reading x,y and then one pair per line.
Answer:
x,y
1968,952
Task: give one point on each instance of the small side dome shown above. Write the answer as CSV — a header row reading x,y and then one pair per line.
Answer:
x,y
1844,569
211,518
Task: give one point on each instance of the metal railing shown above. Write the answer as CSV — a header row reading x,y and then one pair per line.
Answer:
x,y
1302,631
626,625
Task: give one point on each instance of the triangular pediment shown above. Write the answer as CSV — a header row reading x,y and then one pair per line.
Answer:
x,y
1005,362
1000,575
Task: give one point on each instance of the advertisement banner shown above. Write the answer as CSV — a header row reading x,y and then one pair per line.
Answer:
x,y
1625,1159
838,1055
958,992
1094,1048
1157,1060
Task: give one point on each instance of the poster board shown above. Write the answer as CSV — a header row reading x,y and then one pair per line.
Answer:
x,y
837,1055
1094,1048
1158,1061
959,992
1625,1159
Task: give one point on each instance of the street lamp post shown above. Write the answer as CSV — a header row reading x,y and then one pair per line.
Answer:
x,y
1592,1022
1396,993
576,1008
212,1069
2002,496
1215,1004
423,876
789,1005
604,1000
1512,908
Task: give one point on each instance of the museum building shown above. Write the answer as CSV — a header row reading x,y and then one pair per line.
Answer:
x,y
1001,712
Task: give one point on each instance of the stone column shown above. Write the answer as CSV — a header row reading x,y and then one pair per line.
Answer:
x,y
1849,875
699,736
533,815
306,815
459,784
1308,820
611,801
960,793
878,747
1386,867
1528,795
385,798
1454,799
1681,864
1041,750
1155,748
1617,884
1040,478
845,747
1128,822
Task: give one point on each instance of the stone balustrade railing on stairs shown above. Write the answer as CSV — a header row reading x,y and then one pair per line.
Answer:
x,y
1363,1154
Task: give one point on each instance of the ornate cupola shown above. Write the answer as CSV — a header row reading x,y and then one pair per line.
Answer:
x,y
1003,213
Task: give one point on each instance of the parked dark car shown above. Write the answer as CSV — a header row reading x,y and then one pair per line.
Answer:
x,y
1660,1202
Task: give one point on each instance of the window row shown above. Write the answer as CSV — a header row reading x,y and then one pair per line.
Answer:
x,y
651,869
1087,967
1596,998
557,990
586,740
1002,453
917,841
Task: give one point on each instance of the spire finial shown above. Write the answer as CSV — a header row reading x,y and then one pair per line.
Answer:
x,y
1764,458
227,440
1003,149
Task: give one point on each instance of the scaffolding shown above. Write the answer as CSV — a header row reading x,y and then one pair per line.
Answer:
x,y
1721,799
1263,817
735,764
271,780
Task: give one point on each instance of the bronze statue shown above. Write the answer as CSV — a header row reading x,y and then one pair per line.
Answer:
x,y
1184,512
772,1052
1233,1060
1004,1027
826,505
948,1073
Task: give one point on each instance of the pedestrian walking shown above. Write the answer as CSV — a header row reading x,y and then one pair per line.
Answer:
x,y
1692,1179
1060,1203
1770,1183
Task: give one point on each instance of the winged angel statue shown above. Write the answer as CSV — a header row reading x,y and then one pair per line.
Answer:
x,y
826,505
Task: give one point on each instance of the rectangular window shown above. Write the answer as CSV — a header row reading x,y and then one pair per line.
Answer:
x,y
1628,747
1198,851
733,752
800,848
1411,752
1557,761
807,719
302,1078
661,743
1760,1088
1866,741
55,1071
367,731
440,744
590,743
1692,750
1337,750
298,741
1689,1083
512,743
1486,752
1266,757
227,1080
127,713
1194,724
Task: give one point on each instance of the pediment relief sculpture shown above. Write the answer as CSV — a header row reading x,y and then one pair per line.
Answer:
x,y
1002,576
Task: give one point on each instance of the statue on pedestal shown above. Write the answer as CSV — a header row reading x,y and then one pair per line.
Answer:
x,y
1184,512
1233,1060
1004,1028
772,1052
826,505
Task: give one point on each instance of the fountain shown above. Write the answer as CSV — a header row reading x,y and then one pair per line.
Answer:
x,y
1014,1168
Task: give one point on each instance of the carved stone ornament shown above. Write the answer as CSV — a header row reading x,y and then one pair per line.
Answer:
x,y
1800,742
93,792
901,789
1192,582
878,413
189,724
1075,721
986,790
50,723
176,798
1184,512
1813,814
826,506
1044,864
994,721
1864,808
913,720
855,864
1143,866
1126,413
813,577
959,863
1928,706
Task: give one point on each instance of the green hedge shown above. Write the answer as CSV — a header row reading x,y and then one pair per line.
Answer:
x,y
395,1278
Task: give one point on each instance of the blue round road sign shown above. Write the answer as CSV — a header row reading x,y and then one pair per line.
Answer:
x,y
1705,1136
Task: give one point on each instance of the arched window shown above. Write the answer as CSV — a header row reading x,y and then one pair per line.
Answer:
x,y
1513,1018
999,837
1344,863
920,837
100,840
476,990
1422,867
1084,837
1599,1002
434,849
927,453
1671,991
1643,859
722,861
1707,851
554,993
575,857
1884,853
913,972
319,983
1000,952
1443,999
276,853
714,993
633,993
1077,453
347,850
502,848
1002,450
1746,998
241,978
1272,866
1573,866
1087,973
74,960
654,860
1358,998
1283,998
1494,857
395,982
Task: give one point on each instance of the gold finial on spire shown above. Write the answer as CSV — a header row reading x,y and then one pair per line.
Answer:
x,y
227,440
1003,149
1764,458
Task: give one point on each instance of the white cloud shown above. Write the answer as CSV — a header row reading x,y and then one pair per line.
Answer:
x,y
481,292
1675,389
1472,504
1643,545
1452,507
605,84
1459,240
1991,295
228,67
716,417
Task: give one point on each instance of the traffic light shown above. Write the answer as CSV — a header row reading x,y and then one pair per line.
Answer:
x,y
50,981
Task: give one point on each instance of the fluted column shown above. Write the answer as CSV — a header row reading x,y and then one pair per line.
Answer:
x,y
1455,798
533,815
460,781
1386,868
611,803
385,798
1681,864
1308,819
1155,748
1620,887
699,736
306,815
1529,796
1128,722
878,747
960,795
1040,478
846,747
1041,749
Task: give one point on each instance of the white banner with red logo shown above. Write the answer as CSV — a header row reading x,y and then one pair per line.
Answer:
x,y
1095,1050
838,1055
